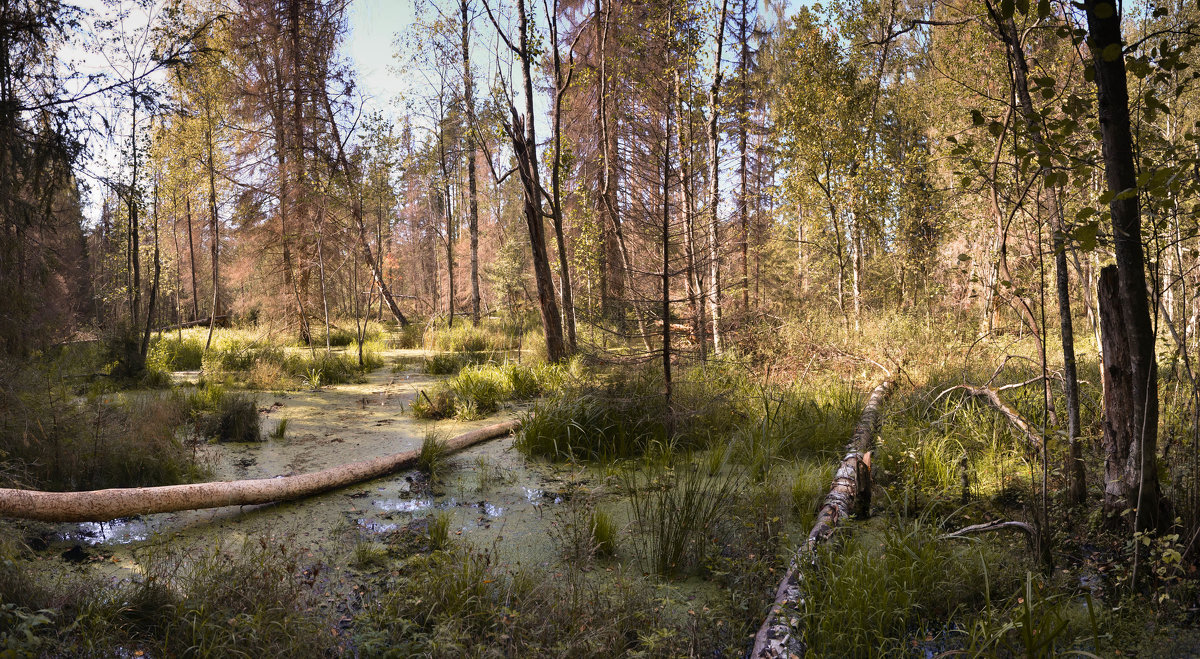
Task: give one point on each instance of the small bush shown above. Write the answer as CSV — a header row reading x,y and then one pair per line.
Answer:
x,y
438,530
604,533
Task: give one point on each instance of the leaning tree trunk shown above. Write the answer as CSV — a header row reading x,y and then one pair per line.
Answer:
x,y
781,634
105,505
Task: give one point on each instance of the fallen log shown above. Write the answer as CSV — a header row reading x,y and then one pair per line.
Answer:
x,y
105,505
781,634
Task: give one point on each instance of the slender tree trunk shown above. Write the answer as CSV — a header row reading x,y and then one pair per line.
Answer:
x,y
1104,30
561,83
714,191
187,204
469,101
695,283
135,258
1076,491
742,119
145,347
214,229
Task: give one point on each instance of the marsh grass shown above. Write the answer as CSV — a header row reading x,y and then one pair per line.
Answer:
x,y
433,457
477,391
673,506
51,438
248,599
877,590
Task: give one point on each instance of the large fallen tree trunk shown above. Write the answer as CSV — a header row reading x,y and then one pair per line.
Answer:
x,y
105,505
781,634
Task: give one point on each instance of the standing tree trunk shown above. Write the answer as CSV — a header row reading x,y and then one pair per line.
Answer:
x,y
561,83
469,101
1141,432
187,205
714,191
1076,491
214,228
524,139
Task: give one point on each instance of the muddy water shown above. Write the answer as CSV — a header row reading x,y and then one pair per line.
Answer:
x,y
493,496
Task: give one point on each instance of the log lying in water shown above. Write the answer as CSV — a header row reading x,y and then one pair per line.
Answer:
x,y
105,505
781,634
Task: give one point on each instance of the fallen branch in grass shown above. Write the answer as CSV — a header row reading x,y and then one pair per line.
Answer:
x,y
1014,417
988,527
105,505
781,634
222,321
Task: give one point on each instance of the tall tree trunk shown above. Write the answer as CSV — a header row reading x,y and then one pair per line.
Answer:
x,y
666,262
742,119
1076,491
469,101
561,83
524,140
714,191
187,204
1141,433
695,283
145,347
214,228
135,258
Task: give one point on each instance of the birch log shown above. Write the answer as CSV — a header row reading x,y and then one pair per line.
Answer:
x,y
105,505
781,634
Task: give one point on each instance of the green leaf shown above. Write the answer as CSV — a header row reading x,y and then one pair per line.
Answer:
x,y
964,257
1111,52
1085,235
1043,8
1103,10
977,117
1023,7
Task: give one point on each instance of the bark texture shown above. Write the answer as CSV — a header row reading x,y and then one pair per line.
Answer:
x,y
781,634
105,505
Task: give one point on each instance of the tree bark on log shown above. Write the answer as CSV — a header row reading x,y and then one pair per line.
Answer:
x,y
781,634
105,505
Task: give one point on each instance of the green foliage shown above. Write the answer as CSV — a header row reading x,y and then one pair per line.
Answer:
x,y
235,420
280,430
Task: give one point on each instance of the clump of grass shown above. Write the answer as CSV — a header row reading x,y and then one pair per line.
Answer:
x,y
674,508
604,533
247,600
439,404
171,353
438,530
368,555
235,420
51,438
280,430
629,417
879,590
433,455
